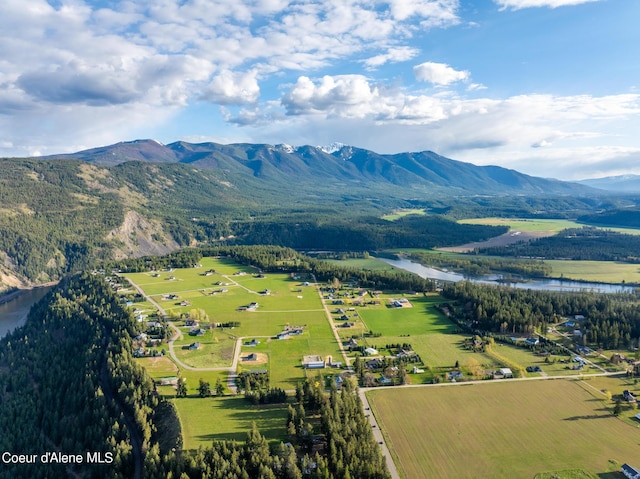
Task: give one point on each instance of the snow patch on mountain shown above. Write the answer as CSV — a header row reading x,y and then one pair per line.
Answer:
x,y
332,148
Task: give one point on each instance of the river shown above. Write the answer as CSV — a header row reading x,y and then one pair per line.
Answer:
x,y
536,284
14,313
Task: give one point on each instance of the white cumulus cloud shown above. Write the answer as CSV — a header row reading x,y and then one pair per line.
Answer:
x,y
233,88
438,73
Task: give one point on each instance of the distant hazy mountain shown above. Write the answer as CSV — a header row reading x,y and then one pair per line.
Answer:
x,y
337,165
620,184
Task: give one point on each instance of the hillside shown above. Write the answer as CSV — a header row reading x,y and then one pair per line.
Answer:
x,y
623,184
61,214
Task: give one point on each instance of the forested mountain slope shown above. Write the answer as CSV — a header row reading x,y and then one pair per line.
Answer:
x,y
347,165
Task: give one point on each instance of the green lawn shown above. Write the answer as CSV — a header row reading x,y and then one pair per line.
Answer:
x,y
204,420
502,430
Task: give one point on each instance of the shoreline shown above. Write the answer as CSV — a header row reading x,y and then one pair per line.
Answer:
x,y
16,293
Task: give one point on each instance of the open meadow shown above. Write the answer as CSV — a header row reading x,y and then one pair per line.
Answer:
x,y
228,418
596,271
525,224
503,429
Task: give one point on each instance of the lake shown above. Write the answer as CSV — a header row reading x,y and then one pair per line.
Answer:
x,y
536,284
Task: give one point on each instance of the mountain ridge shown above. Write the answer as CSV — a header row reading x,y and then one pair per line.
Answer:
x,y
337,163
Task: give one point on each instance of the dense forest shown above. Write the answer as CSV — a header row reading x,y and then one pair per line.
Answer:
x,y
576,244
363,233
625,218
610,321
68,385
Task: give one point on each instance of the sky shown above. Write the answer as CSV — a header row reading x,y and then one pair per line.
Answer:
x,y
550,88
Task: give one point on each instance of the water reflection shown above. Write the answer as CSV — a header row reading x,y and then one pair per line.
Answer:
x,y
536,284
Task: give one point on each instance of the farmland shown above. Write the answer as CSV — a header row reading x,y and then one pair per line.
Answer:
x,y
503,430
518,417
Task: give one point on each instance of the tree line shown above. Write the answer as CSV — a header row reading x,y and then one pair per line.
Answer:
x,y
611,321
579,244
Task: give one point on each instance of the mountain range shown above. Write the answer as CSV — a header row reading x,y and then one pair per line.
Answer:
x,y
61,213
620,184
339,165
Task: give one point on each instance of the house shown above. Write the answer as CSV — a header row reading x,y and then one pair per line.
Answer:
x,y
453,375
373,364
385,381
251,357
252,343
417,370
532,341
313,362
405,354
351,343
193,346
191,323
283,335
628,396
346,325
252,307
630,472
370,351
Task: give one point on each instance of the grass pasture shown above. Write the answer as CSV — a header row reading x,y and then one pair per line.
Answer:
x,y
204,420
502,430
596,271
397,214
525,224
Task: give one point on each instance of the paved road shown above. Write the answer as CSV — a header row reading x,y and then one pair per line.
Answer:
x,y
377,434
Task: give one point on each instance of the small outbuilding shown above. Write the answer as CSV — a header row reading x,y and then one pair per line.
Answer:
x,y
313,362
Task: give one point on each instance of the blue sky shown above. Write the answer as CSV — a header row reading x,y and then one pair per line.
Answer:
x,y
546,87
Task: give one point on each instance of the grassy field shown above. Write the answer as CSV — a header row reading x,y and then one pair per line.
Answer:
x,y
502,430
521,224
228,418
369,264
598,271
403,212
222,294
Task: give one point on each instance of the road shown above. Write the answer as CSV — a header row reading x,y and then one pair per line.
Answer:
x,y
377,434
